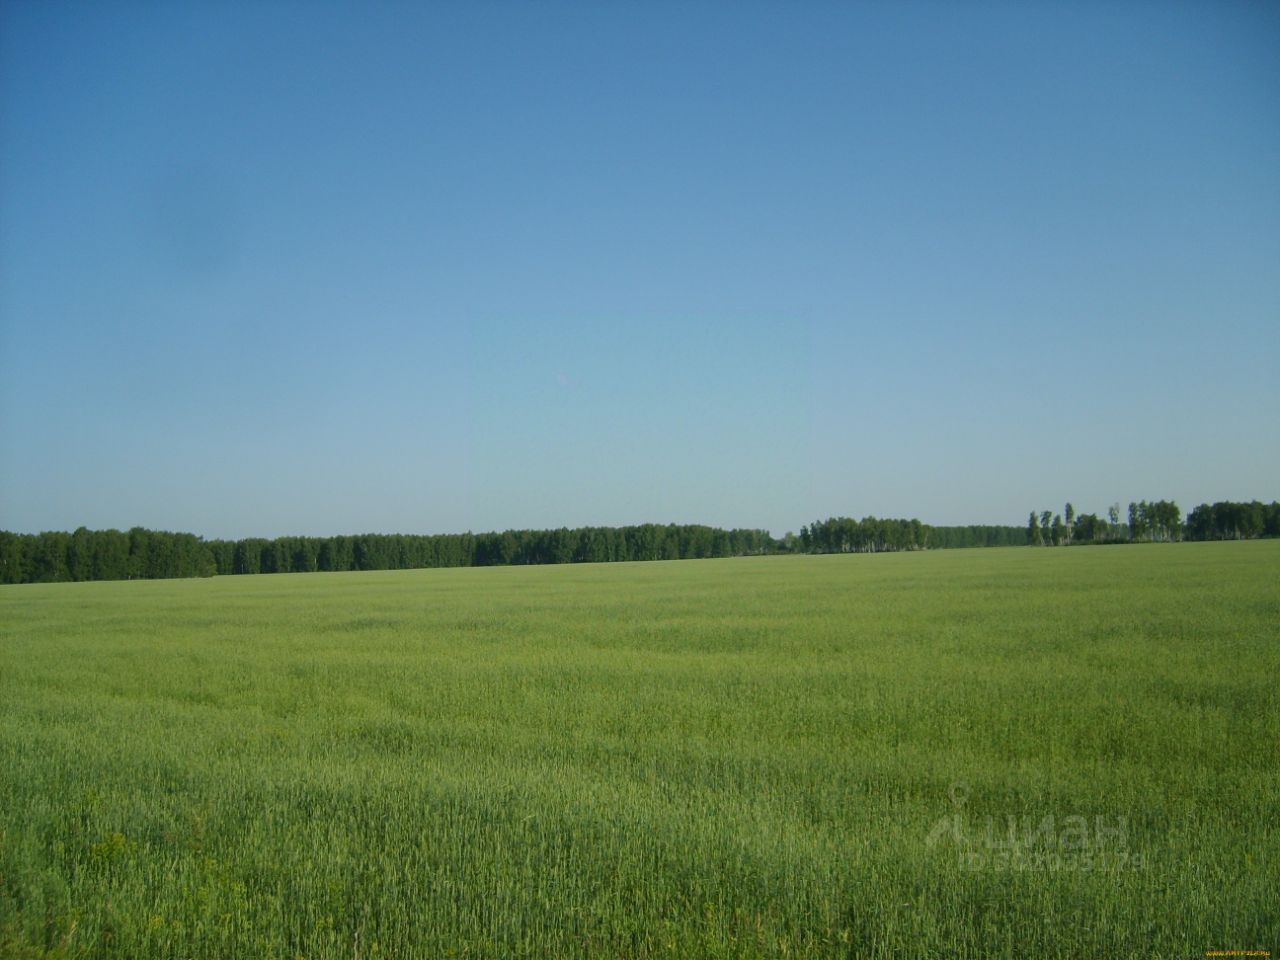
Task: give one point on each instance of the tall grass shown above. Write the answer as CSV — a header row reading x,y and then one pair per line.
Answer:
x,y
764,757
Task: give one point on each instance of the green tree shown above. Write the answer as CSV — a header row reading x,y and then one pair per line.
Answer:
x,y
80,555
11,550
1088,528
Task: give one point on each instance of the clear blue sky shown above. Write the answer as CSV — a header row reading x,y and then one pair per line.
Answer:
x,y
273,268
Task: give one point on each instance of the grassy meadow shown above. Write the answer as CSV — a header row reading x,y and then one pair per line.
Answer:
x,y
971,753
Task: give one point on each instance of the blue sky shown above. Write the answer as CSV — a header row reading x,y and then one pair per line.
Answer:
x,y
279,268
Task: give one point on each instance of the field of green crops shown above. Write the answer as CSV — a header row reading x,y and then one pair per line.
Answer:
x,y
972,753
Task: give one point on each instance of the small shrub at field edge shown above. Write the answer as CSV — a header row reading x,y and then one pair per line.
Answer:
x,y
999,753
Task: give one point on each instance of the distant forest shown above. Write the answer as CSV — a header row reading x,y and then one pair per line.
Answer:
x,y
1158,521
141,554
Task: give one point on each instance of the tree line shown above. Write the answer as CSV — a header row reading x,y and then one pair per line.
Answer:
x,y
142,554
1226,520
152,554
975,535
406,551
1158,521
875,535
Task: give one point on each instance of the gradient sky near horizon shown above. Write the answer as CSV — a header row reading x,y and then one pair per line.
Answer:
x,y
305,268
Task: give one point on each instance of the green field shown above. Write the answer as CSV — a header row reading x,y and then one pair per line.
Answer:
x,y
775,757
